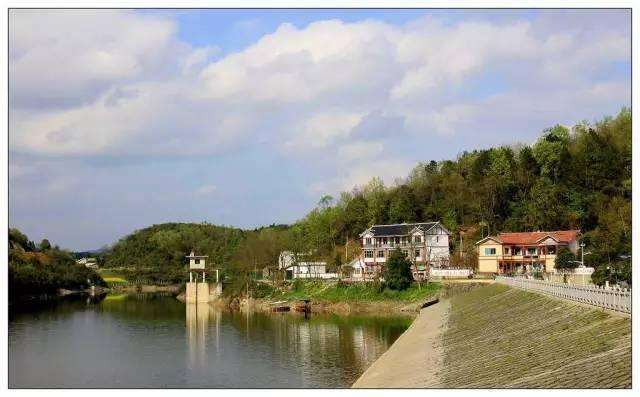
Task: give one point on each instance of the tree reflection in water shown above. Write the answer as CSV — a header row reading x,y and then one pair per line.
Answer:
x,y
325,350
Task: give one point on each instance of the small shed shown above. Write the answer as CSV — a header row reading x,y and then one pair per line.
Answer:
x,y
197,262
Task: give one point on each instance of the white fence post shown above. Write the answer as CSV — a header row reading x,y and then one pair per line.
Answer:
x,y
614,298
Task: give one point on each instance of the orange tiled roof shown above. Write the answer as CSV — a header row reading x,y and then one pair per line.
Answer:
x,y
563,236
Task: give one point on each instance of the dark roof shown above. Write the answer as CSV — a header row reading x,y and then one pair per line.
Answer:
x,y
399,229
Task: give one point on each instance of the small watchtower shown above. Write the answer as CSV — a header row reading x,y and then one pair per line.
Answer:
x,y
197,263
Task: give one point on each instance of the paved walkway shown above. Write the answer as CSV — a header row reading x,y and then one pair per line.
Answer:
x,y
415,357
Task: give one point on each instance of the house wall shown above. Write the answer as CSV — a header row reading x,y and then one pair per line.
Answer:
x,y
433,247
488,263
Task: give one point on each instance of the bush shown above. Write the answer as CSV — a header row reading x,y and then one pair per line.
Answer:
x,y
397,271
566,259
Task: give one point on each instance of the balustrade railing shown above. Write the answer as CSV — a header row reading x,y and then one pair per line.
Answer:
x,y
612,298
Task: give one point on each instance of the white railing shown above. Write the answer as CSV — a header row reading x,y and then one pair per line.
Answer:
x,y
315,275
434,272
612,298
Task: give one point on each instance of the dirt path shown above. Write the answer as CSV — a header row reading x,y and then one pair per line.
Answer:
x,y
414,359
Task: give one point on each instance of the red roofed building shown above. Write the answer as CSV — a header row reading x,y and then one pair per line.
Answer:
x,y
524,252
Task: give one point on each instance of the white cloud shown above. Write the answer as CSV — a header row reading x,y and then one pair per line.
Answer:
x,y
324,129
62,58
97,82
360,151
389,170
205,190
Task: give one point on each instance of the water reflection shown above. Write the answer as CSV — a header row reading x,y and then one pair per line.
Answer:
x,y
323,350
156,341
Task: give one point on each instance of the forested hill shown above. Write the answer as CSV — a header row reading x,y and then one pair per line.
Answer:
x,y
42,269
577,177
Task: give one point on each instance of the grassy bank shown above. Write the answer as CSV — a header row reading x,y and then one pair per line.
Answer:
x,y
337,292
502,337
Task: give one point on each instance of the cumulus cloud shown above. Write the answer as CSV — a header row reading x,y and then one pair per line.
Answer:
x,y
343,96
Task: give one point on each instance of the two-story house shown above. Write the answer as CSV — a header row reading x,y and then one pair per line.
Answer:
x,y
524,252
425,244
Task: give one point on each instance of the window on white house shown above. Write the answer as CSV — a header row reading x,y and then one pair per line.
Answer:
x,y
405,252
196,261
531,251
380,254
368,253
417,239
506,250
489,251
367,241
437,239
417,253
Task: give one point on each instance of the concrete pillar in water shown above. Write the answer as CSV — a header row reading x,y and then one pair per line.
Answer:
x,y
190,293
203,293
197,292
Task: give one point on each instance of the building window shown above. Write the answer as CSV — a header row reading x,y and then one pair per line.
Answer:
x,y
368,253
506,250
380,254
397,240
384,240
531,251
489,251
417,239
196,261
517,251
417,253
405,253
367,241
551,249
437,239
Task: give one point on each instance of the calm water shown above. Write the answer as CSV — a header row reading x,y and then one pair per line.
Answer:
x,y
156,341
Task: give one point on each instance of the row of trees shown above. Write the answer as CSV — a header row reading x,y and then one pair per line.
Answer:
x,y
578,178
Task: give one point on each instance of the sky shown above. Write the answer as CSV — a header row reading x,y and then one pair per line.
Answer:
x,y
120,119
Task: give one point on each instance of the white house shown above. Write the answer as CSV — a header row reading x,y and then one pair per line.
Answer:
x,y
358,269
297,268
90,263
426,244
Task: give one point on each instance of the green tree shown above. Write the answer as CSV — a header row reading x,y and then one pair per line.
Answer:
x,y
45,245
337,262
397,271
551,151
566,259
402,205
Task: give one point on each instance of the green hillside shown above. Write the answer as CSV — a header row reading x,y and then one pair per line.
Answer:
x,y
42,269
577,178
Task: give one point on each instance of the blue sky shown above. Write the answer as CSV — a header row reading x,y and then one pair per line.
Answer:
x,y
247,117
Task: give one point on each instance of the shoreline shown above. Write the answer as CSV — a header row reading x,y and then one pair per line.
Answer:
x,y
419,347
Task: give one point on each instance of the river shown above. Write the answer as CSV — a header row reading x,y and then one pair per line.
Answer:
x,y
153,340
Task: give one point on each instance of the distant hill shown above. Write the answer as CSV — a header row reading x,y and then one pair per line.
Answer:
x,y
158,251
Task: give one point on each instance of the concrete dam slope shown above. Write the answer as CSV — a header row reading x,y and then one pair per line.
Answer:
x,y
498,337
